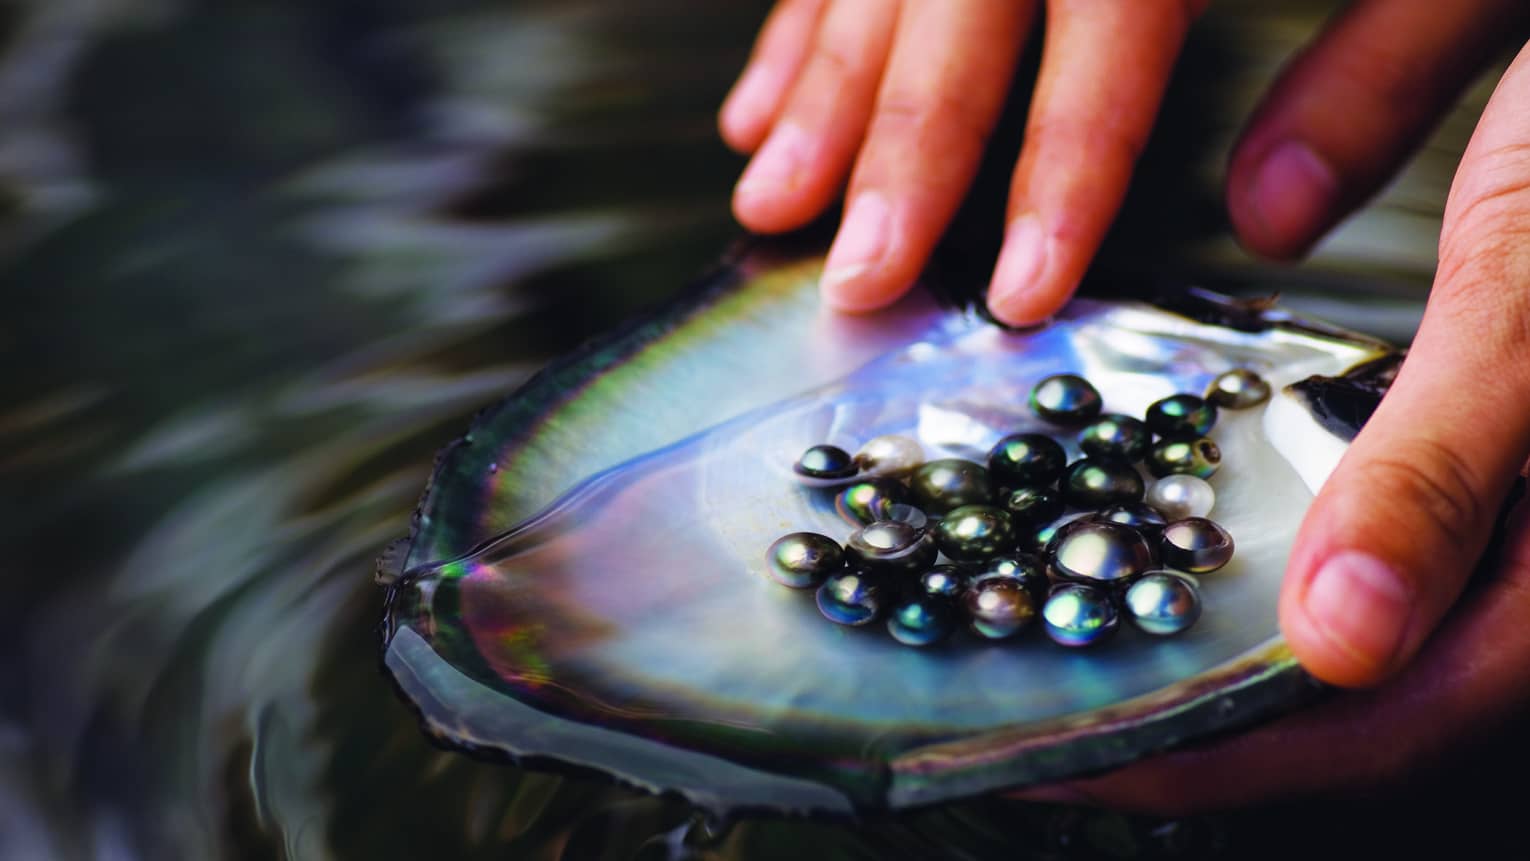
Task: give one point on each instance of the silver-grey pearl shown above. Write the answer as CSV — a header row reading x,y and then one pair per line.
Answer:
x,y
1162,603
1195,544
891,547
1181,496
1100,552
1238,389
1078,616
890,454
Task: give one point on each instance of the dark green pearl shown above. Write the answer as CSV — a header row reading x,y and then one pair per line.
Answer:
x,y
941,581
1026,460
973,533
1116,437
1034,505
998,607
948,483
1091,483
1066,399
1238,389
826,461
1078,616
1181,417
854,597
891,547
1197,457
869,500
1027,570
1195,544
921,621
803,559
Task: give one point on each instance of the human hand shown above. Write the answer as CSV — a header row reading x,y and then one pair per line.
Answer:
x,y
1387,547
907,91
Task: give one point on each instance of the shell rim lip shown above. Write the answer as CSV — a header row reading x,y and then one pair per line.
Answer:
x,y
1265,681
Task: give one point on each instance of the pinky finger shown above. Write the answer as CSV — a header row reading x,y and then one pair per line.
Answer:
x,y
756,98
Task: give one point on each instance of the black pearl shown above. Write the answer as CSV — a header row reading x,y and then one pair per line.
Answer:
x,y
1101,552
942,581
1238,389
1116,437
1078,616
948,483
1162,603
1026,460
1066,399
998,607
1197,457
1030,506
1040,540
891,547
854,597
869,500
1091,483
921,621
1027,570
825,461
1195,544
1138,515
1181,417
973,533
803,559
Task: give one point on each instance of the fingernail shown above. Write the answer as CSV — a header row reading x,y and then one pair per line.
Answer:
x,y
776,166
1022,260
1292,193
1362,606
861,242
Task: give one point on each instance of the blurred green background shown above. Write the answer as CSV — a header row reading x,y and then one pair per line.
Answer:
x,y
260,259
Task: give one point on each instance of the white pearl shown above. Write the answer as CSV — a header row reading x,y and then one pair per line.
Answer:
x,y
1179,496
890,454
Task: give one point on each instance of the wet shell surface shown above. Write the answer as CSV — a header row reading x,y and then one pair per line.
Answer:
x,y
585,579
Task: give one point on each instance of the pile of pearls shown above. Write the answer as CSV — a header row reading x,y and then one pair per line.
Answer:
x,y
943,544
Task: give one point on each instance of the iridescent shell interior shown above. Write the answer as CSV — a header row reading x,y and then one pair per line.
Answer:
x,y
585,582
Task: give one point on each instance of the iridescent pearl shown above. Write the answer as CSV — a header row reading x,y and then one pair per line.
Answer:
x,y
921,621
1026,460
998,607
853,597
890,454
825,461
1195,544
1078,616
973,533
1138,515
942,581
1100,552
889,546
803,559
910,514
1181,496
1197,457
948,483
869,500
1162,603
1116,437
1181,416
1091,483
1066,399
1238,389
1034,505
1027,570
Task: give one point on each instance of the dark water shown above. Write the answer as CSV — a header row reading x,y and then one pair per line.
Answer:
x,y
261,259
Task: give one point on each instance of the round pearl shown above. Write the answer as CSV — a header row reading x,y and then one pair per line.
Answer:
x,y
890,454
1197,457
941,581
892,547
1181,496
853,598
948,483
1026,460
1066,399
825,461
1033,506
1195,544
1030,572
921,621
869,500
1101,552
1079,616
1181,417
1116,437
803,559
998,607
973,533
1238,389
1092,483
1162,603
1138,515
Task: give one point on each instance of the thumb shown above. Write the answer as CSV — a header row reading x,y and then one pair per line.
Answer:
x,y
1388,544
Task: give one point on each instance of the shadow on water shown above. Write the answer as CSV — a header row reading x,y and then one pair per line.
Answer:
x,y
262,259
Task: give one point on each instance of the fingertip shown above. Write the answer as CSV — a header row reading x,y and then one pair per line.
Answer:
x,y
1348,622
1281,198
744,119
863,271
769,197
1029,283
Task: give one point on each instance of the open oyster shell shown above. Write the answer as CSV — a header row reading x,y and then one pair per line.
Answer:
x,y
584,583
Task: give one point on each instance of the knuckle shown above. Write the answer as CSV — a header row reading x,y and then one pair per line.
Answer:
x,y
939,122
1437,481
